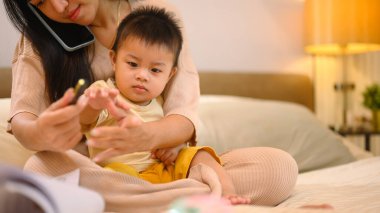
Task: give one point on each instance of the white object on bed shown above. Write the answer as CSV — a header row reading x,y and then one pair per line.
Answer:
x,y
230,122
49,194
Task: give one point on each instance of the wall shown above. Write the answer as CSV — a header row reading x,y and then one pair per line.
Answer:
x,y
250,35
8,38
259,35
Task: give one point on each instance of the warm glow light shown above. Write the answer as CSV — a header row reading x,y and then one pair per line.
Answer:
x,y
342,26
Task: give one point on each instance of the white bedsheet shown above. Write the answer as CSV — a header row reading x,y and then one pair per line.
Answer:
x,y
353,187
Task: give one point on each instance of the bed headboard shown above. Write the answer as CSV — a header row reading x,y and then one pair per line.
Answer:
x,y
272,86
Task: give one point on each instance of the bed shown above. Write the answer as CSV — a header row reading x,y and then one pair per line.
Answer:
x,y
261,109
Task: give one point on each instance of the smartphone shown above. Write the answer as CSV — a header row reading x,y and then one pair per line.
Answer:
x,y
79,89
70,36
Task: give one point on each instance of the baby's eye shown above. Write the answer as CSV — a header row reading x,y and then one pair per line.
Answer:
x,y
155,70
132,64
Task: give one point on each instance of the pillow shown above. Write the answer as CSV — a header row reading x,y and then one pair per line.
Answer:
x,y
229,122
11,151
5,105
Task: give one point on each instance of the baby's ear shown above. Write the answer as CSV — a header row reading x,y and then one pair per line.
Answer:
x,y
113,59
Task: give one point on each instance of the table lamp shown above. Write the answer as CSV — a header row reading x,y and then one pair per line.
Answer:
x,y
339,28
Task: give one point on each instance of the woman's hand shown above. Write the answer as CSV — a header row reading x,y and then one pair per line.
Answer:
x,y
127,137
133,135
58,126
56,129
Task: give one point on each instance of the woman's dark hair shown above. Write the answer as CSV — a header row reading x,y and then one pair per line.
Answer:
x,y
62,69
154,26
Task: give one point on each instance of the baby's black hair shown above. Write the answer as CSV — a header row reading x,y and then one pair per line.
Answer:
x,y
152,25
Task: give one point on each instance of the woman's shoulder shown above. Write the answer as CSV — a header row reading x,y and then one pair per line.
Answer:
x,y
24,48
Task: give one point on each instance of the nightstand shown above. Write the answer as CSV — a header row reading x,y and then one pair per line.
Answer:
x,y
366,133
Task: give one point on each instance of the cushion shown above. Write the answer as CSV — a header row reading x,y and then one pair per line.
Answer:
x,y
230,122
11,151
5,82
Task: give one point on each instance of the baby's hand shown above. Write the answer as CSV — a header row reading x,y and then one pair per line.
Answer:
x,y
167,155
100,98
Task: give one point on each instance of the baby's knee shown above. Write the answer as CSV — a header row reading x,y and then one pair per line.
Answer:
x,y
202,156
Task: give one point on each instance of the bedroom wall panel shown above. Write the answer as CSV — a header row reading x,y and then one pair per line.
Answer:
x,y
262,35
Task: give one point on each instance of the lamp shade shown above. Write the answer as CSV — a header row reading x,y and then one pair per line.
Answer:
x,y
335,27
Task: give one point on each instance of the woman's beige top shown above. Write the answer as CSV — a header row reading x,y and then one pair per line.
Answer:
x,y
28,85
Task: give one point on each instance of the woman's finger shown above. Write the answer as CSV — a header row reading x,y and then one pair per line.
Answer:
x,y
64,101
130,121
56,116
60,116
104,143
113,132
111,139
106,154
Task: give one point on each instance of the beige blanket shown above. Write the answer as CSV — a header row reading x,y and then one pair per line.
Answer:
x,y
265,182
123,192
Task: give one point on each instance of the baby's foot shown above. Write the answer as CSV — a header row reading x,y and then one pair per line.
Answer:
x,y
236,199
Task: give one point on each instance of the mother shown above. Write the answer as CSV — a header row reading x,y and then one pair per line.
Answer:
x,y
42,119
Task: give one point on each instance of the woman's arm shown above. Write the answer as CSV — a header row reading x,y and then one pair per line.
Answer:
x,y
56,129
170,131
135,136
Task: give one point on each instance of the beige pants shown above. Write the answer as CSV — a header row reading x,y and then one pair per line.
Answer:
x,y
266,175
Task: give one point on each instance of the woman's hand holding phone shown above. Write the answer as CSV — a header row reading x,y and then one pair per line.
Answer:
x,y
58,127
